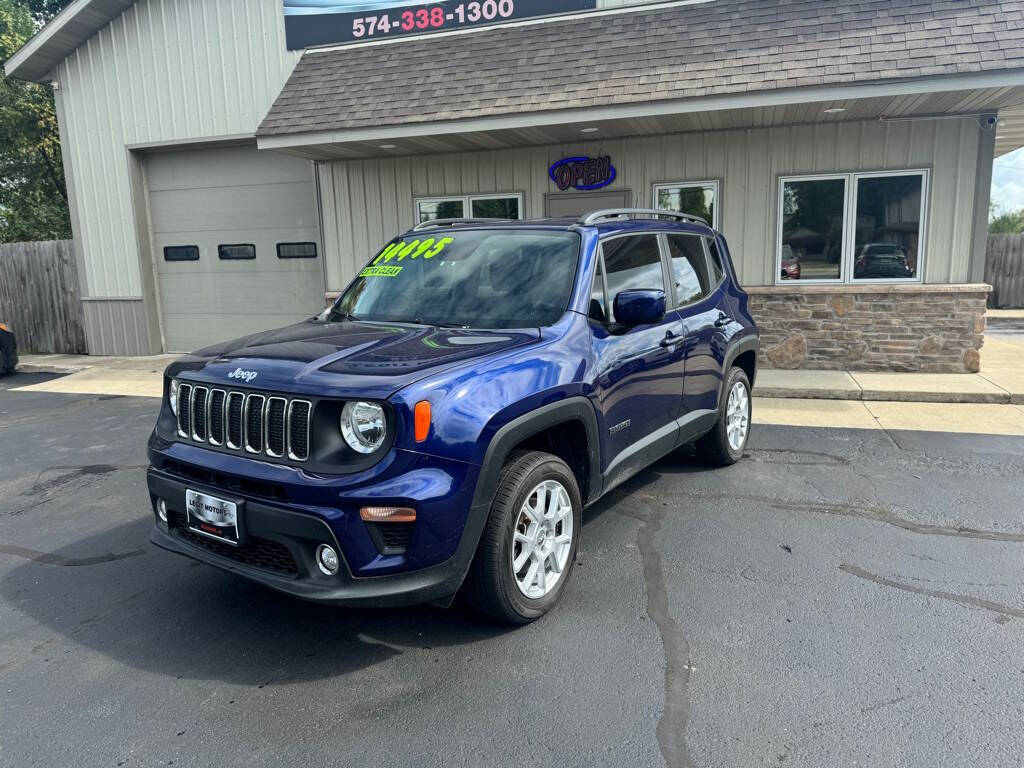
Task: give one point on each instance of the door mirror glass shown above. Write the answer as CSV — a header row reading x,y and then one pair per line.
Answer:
x,y
639,307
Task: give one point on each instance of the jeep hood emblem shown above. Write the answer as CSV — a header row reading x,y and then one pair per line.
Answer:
x,y
246,376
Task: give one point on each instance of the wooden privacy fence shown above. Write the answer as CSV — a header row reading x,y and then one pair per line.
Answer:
x,y
1004,271
39,297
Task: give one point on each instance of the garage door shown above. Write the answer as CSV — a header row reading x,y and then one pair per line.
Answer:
x,y
236,244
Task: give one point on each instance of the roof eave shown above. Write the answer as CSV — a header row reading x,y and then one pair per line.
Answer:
x,y
80,20
295,142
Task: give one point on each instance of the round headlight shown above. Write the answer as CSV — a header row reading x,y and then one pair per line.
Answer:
x,y
172,396
363,426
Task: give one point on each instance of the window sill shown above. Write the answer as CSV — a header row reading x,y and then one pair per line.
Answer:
x,y
872,287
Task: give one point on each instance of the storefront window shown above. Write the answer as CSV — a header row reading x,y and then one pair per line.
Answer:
x,y
888,227
851,227
696,198
440,208
812,229
502,206
495,207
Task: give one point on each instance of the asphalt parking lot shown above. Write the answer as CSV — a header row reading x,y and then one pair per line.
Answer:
x,y
841,597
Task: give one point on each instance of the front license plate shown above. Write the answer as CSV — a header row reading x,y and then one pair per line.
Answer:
x,y
212,517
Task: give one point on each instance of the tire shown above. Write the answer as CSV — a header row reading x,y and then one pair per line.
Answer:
x,y
715,447
6,364
492,585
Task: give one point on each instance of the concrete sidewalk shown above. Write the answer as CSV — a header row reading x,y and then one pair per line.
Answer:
x,y
1000,382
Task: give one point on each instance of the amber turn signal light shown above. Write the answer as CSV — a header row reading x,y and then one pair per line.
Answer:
x,y
3,327
388,514
422,420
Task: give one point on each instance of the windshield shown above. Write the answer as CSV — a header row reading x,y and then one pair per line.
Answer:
x,y
494,278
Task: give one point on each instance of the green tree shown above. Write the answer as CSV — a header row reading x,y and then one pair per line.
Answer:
x,y
33,196
1007,223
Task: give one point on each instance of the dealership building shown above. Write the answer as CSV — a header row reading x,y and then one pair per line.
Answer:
x,y
232,163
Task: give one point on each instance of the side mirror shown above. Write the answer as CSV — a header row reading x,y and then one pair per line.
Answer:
x,y
633,308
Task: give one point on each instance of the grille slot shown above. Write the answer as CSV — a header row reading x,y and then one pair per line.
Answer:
x,y
255,552
298,429
235,402
184,410
254,423
273,426
276,408
216,418
199,414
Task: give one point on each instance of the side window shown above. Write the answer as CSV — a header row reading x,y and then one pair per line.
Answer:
x,y
716,261
689,268
632,263
598,309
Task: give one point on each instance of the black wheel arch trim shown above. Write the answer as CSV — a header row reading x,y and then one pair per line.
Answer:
x,y
751,343
529,424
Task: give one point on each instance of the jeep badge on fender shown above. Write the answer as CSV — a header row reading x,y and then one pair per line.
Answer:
x,y
443,426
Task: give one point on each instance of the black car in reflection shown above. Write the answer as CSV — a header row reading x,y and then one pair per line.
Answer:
x,y
882,261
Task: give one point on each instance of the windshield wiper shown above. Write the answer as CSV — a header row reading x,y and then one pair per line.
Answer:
x,y
431,323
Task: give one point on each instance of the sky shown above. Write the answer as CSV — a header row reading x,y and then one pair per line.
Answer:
x,y
1008,182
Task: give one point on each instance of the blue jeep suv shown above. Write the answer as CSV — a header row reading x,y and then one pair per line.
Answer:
x,y
444,424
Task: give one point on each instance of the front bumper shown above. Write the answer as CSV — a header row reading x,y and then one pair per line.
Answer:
x,y
279,543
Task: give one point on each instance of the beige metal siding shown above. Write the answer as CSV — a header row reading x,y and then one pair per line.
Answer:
x,y
365,202
165,71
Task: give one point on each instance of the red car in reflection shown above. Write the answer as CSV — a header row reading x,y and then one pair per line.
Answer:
x,y
790,264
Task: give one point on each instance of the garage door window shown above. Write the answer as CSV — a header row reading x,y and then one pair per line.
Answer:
x,y
296,250
236,252
181,253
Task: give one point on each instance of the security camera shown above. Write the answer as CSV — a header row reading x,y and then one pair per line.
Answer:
x,y
989,121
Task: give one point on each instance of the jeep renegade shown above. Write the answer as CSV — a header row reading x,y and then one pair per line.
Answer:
x,y
444,424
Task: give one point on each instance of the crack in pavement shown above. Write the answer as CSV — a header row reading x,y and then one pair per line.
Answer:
x,y
671,729
877,514
47,558
965,600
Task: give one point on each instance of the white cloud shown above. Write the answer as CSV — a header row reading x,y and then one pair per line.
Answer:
x,y
1008,181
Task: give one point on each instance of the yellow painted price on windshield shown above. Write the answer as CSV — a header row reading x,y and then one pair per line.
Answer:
x,y
425,249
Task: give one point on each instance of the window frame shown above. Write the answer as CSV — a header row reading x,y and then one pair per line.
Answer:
x,y
716,184
849,236
467,203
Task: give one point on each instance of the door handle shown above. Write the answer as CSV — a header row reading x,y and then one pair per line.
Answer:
x,y
723,320
672,339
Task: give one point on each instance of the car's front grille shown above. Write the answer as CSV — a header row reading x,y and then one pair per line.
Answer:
x,y
255,552
253,423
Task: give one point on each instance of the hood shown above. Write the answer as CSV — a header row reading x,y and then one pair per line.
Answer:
x,y
346,359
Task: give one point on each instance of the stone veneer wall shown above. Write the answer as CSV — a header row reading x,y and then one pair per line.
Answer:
x,y
875,327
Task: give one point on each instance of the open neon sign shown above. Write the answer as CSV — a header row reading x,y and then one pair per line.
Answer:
x,y
582,173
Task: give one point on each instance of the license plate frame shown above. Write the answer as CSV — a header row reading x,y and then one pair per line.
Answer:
x,y
213,516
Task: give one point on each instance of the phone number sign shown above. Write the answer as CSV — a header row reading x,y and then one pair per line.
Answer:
x,y
310,23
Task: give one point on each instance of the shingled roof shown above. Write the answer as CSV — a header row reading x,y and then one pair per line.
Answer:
x,y
687,51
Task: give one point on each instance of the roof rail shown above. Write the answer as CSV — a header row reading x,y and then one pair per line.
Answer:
x,y
630,213
433,223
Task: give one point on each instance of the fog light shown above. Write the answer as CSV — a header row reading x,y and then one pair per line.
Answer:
x,y
161,509
388,515
327,559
